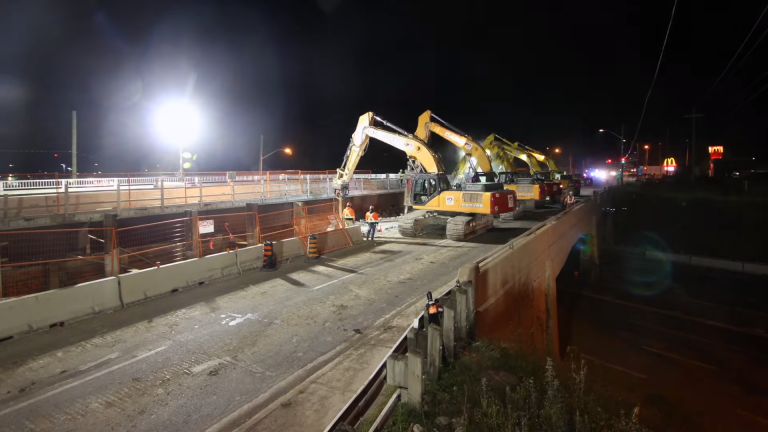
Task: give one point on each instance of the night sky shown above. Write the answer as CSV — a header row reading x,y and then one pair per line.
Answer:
x,y
548,74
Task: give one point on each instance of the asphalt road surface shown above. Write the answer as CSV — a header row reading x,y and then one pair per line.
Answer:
x,y
186,361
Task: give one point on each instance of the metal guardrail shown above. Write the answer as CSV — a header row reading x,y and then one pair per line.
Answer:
x,y
9,185
135,195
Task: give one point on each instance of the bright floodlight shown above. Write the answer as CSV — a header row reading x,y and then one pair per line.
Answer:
x,y
287,150
177,122
601,130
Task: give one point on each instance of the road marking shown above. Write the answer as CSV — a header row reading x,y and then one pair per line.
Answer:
x,y
677,357
443,241
90,365
70,385
204,366
633,373
343,277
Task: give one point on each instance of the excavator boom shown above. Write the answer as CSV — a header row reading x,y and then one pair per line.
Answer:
x,y
412,146
471,148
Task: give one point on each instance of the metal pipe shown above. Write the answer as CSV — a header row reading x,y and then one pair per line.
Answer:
x,y
450,125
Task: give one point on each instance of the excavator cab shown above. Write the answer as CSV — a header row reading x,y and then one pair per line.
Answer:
x,y
426,187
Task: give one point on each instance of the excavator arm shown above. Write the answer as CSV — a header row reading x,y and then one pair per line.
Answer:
x,y
412,146
474,151
495,142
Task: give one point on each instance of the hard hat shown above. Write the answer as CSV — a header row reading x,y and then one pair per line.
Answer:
x,y
371,207
349,204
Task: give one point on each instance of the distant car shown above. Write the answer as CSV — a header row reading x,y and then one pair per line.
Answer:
x,y
585,181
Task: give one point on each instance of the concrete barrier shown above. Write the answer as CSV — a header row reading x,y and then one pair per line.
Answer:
x,y
250,257
144,284
662,256
290,248
355,233
737,266
757,269
38,311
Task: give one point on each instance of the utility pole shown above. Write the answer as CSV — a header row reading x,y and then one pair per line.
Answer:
x,y
693,116
74,144
621,156
261,154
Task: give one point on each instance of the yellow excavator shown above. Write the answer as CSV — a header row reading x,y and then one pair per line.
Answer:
x,y
528,192
463,213
497,144
567,181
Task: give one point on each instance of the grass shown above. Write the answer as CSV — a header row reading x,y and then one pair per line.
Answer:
x,y
493,387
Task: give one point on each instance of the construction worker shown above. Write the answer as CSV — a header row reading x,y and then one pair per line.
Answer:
x,y
400,176
373,221
569,200
349,215
434,310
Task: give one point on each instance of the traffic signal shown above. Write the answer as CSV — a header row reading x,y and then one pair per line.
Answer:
x,y
609,161
623,160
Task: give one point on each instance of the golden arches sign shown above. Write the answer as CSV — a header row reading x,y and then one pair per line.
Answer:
x,y
670,162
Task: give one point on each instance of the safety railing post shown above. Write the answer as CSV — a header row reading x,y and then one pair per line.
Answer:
x,y
201,196
117,200
232,186
162,195
309,187
328,181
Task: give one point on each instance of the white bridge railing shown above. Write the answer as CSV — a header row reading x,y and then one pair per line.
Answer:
x,y
28,199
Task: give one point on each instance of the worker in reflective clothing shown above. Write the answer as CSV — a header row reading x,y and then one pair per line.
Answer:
x,y
349,215
373,221
434,310
569,200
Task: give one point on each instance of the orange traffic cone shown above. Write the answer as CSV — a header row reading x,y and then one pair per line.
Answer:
x,y
380,228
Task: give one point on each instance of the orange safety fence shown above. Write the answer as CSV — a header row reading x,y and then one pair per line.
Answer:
x,y
226,232
143,246
329,228
276,226
41,260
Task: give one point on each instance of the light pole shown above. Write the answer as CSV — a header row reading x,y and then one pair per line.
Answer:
x,y
63,168
647,149
287,151
621,151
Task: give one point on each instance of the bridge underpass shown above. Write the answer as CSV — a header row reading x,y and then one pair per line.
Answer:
x,y
689,344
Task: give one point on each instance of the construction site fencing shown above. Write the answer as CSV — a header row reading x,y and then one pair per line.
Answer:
x,y
227,232
144,246
322,221
40,260
37,261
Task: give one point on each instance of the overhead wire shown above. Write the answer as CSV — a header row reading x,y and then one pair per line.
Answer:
x,y
747,101
653,82
737,52
750,51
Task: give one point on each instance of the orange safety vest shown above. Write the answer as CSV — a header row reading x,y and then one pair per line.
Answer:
x,y
349,213
371,217
570,199
432,309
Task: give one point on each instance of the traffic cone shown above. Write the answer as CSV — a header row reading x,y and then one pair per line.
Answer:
x,y
380,228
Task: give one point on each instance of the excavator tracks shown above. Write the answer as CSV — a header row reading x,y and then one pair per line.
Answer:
x,y
417,222
462,228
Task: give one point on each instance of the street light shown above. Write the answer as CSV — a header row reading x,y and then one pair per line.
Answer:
x,y
557,150
621,155
63,168
286,150
178,123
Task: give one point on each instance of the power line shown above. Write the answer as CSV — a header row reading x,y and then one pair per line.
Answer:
x,y
737,52
750,51
752,97
653,82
